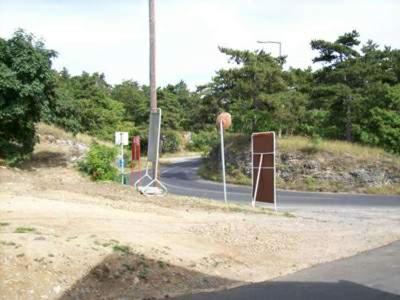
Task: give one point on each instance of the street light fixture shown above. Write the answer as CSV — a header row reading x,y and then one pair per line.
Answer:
x,y
273,42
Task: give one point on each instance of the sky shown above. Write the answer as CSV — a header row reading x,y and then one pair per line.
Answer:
x,y
111,36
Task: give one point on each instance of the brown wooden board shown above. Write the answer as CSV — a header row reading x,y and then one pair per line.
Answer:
x,y
264,142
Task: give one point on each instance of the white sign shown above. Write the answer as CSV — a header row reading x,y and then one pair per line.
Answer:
x,y
121,138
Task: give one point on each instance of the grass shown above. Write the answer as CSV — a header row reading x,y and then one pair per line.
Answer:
x,y
122,249
4,243
385,190
24,230
58,133
3,224
307,145
143,274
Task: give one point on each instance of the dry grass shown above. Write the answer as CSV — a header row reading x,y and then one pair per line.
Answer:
x,y
297,143
58,133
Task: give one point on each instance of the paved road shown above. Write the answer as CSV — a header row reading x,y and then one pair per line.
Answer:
x,y
181,178
373,275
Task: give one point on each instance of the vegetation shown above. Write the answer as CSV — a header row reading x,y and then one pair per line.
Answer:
x,y
26,86
99,162
312,164
353,96
24,230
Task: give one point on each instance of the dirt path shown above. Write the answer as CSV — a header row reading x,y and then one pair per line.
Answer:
x,y
64,237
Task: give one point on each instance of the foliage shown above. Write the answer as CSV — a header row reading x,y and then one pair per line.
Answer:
x,y
84,104
170,141
99,162
134,100
26,87
353,96
203,140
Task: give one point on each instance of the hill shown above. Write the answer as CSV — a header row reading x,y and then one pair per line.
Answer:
x,y
312,165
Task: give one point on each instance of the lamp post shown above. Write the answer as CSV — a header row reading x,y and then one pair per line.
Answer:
x,y
273,42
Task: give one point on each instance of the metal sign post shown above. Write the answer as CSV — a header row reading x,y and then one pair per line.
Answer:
x,y
224,121
263,168
153,152
121,138
221,131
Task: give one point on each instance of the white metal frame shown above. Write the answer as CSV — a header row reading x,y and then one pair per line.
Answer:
x,y
221,131
253,200
145,189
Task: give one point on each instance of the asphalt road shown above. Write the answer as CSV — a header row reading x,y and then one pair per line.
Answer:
x,y
373,275
181,178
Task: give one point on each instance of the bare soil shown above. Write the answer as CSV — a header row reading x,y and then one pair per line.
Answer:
x,y
65,237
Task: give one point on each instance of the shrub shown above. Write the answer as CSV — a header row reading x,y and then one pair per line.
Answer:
x,y
99,162
203,141
171,142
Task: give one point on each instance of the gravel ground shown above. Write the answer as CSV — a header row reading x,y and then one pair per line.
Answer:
x,y
65,237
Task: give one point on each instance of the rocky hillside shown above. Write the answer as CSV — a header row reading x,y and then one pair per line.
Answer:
x,y
313,165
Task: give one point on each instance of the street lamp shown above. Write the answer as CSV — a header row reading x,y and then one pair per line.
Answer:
x,y
273,42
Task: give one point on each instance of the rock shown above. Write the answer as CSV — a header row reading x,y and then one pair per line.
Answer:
x,y
57,289
82,148
40,238
50,138
311,165
369,177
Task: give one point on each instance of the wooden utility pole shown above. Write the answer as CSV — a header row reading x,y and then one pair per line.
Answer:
x,y
153,86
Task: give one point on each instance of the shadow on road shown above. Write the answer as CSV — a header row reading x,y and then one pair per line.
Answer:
x,y
341,290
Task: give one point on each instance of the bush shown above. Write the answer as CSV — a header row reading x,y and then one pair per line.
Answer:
x,y
170,142
203,141
99,163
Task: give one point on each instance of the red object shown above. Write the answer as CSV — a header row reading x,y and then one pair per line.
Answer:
x,y
136,148
135,157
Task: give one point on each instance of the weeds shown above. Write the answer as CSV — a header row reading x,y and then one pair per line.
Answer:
x,y
143,274
161,264
4,243
122,248
24,230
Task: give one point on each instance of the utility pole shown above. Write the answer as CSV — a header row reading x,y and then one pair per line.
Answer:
x,y
153,86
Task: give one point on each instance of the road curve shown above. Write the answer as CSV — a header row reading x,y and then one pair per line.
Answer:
x,y
181,179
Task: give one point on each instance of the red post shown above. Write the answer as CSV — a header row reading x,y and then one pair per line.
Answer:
x,y
135,157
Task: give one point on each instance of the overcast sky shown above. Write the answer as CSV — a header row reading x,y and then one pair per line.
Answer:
x,y
111,36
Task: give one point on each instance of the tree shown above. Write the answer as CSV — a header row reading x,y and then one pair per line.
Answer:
x,y
134,99
27,85
335,82
255,92
84,104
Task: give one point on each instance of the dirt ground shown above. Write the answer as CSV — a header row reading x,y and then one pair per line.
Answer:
x,y
65,237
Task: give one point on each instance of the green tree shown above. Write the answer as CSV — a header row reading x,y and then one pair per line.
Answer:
x,y
256,92
26,86
135,101
335,83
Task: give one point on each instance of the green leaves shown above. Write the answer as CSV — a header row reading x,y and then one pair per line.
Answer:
x,y
99,163
26,86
